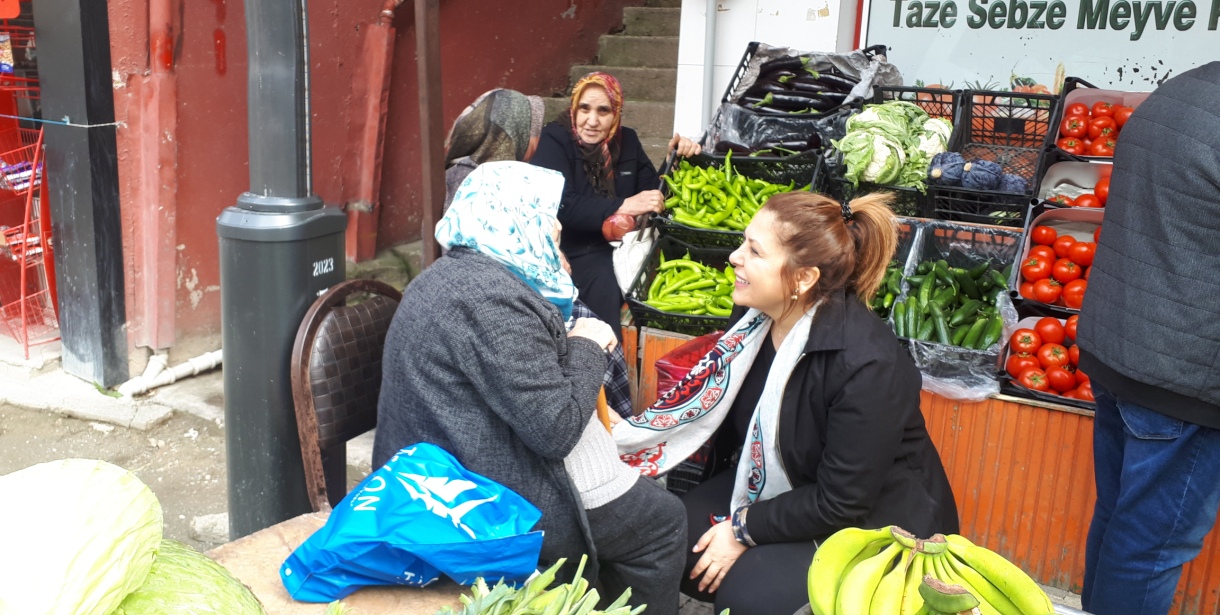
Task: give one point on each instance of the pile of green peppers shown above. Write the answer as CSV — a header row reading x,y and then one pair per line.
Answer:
x,y
685,286
716,198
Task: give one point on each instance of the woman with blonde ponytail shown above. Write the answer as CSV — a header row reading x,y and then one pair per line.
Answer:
x,y
817,394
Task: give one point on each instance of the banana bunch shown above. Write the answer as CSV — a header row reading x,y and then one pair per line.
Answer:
x,y
575,598
889,571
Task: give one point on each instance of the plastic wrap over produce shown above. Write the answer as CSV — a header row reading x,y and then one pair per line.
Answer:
x,y
736,124
870,70
954,371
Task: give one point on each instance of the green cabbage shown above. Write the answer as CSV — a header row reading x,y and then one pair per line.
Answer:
x,y
78,535
892,144
184,581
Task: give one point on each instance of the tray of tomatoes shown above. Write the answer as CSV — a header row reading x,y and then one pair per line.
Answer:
x,y
1091,119
1071,181
1040,361
1057,255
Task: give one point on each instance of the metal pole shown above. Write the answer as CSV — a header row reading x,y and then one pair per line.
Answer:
x,y
280,248
431,120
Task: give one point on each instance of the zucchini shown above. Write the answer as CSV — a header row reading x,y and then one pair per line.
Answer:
x,y
924,268
925,291
998,279
967,283
980,270
900,319
959,334
964,313
938,321
925,330
912,316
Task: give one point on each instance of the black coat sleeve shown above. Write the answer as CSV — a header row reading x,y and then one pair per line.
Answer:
x,y
580,209
864,429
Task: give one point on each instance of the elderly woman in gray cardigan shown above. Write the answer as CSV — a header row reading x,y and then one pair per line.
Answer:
x,y
480,361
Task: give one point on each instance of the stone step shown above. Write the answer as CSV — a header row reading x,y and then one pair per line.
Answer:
x,y
651,21
647,117
664,3
638,83
645,51
656,148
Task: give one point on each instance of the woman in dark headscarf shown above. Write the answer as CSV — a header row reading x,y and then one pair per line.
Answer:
x,y
499,125
607,172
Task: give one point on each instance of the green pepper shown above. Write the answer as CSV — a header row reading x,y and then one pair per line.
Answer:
x,y
967,283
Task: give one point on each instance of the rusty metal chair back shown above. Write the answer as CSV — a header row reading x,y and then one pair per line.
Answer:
x,y
336,379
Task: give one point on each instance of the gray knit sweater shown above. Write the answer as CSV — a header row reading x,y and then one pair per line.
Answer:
x,y
480,364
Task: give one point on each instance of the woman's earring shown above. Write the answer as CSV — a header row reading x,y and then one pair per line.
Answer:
x,y
795,296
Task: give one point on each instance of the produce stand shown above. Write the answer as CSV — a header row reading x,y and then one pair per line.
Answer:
x,y
255,560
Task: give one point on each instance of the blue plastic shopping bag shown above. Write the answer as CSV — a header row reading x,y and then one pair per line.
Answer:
x,y
417,517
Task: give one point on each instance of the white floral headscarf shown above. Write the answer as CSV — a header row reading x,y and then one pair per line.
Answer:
x,y
507,211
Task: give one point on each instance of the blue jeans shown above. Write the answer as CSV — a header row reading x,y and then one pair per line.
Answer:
x,y
1158,488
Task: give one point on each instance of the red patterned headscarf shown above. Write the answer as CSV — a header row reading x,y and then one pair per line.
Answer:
x,y
606,151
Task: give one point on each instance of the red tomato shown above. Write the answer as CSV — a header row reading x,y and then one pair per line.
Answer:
x,y
1073,394
1071,145
1025,340
1062,244
1018,363
1104,171
1086,272
1102,147
1043,252
1082,253
1074,126
1050,330
1043,235
1121,115
1061,379
1069,328
1102,190
1047,290
1063,199
1088,200
1073,293
1102,107
1085,392
1081,377
1035,269
1064,271
1053,355
1034,380
1077,109
1027,290
1074,356
1102,127
1097,234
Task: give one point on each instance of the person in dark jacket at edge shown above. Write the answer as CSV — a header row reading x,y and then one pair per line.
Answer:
x,y
480,361
607,172
823,398
1149,336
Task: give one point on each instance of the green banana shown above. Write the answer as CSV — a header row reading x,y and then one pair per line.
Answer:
x,y
945,572
935,545
887,600
911,600
983,589
835,558
958,539
905,538
945,597
1007,577
855,594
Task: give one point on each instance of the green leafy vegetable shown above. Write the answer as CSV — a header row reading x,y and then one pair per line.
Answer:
x,y
184,581
892,144
78,534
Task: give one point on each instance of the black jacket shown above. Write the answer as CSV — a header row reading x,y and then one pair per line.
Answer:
x,y
582,212
1149,329
852,437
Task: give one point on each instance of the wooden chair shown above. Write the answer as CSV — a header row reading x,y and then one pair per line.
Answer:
x,y
336,379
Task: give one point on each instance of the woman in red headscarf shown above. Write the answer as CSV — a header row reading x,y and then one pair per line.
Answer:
x,y
607,172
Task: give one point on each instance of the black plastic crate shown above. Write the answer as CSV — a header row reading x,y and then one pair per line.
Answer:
x,y
938,103
908,202
1008,128
752,130
751,49
647,316
798,173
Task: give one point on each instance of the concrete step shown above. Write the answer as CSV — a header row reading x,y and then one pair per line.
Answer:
x,y
656,148
651,21
649,118
645,51
638,83
664,3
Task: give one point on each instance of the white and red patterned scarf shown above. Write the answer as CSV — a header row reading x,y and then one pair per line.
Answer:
x,y
685,417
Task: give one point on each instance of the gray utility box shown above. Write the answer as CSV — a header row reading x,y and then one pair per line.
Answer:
x,y
275,260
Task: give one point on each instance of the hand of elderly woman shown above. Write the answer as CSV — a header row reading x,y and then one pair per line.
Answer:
x,y
648,201
595,330
683,146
